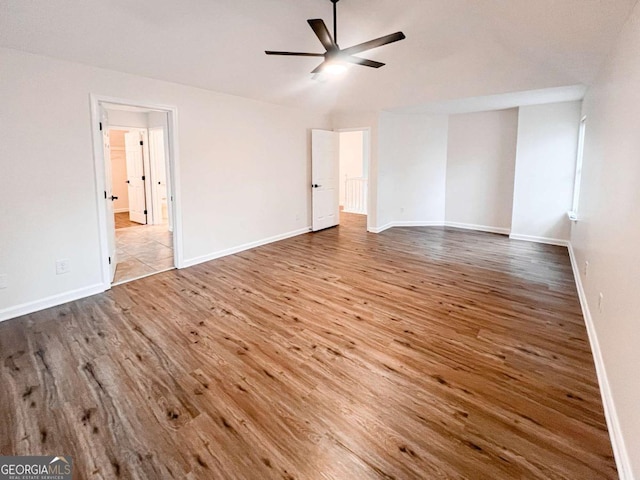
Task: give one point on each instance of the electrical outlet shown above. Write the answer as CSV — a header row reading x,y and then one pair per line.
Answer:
x,y
63,266
600,302
586,268
3,281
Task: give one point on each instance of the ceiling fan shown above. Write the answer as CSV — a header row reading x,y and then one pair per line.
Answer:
x,y
334,56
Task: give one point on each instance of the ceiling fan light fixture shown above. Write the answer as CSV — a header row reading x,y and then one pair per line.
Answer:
x,y
335,68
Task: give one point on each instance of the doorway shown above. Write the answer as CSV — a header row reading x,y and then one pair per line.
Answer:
x,y
135,164
354,171
143,240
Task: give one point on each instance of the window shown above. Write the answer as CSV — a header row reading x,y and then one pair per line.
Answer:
x,y
573,214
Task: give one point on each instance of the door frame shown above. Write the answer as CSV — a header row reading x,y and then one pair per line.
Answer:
x,y
173,174
366,152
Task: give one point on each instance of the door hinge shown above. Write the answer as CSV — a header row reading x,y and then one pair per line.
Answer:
x,y
143,177
100,126
145,212
105,195
141,142
109,260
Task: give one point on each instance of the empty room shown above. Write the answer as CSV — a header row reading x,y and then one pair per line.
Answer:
x,y
320,239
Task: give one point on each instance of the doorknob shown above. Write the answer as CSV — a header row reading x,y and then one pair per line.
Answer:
x,y
113,198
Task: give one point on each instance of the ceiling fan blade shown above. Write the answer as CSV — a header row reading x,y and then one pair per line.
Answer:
x,y
297,54
362,61
321,31
378,42
319,68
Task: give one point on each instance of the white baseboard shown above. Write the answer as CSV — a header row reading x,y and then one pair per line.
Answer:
x,y
418,223
386,226
48,302
468,226
623,461
547,240
480,228
437,223
411,223
240,248
120,210
59,299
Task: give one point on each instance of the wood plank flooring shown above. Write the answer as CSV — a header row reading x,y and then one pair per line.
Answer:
x,y
414,353
122,220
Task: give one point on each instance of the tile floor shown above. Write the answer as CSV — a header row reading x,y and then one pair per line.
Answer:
x,y
142,250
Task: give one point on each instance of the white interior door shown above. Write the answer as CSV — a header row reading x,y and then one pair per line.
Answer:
x,y
135,177
325,186
108,193
158,175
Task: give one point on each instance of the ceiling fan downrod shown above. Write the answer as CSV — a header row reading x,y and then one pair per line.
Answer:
x,y
335,21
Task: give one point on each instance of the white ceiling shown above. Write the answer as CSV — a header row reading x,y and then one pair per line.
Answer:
x,y
454,48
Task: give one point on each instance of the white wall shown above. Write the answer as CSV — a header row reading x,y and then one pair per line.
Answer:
x,y
351,158
244,171
427,165
411,168
480,169
545,171
607,233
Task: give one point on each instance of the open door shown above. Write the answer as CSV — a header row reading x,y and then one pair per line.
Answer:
x,y
325,187
135,177
108,194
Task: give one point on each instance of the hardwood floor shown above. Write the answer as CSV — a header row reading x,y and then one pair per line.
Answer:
x,y
122,220
414,353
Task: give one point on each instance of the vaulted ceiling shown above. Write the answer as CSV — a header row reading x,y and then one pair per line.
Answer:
x,y
454,48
